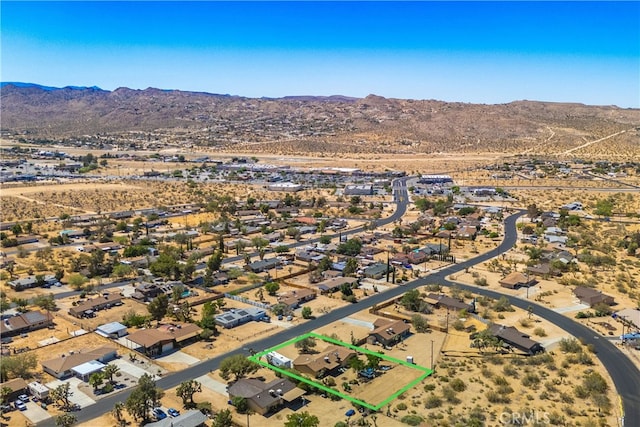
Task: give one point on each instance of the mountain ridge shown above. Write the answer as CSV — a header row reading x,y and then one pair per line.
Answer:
x,y
310,124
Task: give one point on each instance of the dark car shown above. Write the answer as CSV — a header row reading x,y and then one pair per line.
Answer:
x,y
173,412
159,413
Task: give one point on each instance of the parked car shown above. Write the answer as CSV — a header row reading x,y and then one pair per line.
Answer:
x,y
173,412
159,413
19,404
24,398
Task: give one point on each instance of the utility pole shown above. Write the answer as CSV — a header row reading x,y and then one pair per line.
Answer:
x,y
432,367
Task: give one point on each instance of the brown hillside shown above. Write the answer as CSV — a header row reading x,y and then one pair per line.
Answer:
x,y
317,124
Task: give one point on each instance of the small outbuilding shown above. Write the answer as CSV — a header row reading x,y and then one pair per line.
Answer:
x,y
112,330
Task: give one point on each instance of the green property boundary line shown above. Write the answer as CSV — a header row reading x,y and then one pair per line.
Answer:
x,y
425,371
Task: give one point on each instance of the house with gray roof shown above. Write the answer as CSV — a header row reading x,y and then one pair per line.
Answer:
x,y
192,418
23,322
235,317
264,397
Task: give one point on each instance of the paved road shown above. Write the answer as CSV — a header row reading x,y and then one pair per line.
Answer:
x,y
625,375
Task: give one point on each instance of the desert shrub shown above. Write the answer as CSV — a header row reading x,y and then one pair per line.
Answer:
x,y
570,345
566,398
411,419
510,371
429,387
481,281
500,381
401,406
487,373
531,380
525,323
458,385
504,389
458,325
593,382
495,397
539,332
432,401
450,395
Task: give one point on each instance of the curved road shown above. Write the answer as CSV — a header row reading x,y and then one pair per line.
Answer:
x,y
625,375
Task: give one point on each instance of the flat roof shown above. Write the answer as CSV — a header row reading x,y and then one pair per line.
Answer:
x,y
88,367
112,328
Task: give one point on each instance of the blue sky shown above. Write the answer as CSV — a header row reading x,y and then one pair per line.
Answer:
x,y
485,52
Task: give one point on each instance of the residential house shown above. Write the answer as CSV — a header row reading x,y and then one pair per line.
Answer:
x,y
513,337
156,341
443,301
265,397
90,306
467,232
235,317
334,284
321,364
592,296
543,269
375,271
306,256
517,280
16,386
24,283
191,418
62,367
24,322
388,332
146,291
262,265
295,298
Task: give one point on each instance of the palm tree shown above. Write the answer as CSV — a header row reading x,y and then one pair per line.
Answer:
x,y
109,371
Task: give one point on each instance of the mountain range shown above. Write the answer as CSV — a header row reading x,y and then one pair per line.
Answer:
x,y
314,124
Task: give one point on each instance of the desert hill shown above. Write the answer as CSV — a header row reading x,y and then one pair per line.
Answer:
x,y
308,124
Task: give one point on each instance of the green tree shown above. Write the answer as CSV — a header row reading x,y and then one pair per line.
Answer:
x,y
223,418
306,345
121,270
61,395
17,366
96,380
302,419
351,247
237,365
117,412
186,390
356,364
76,281
350,268
208,317
45,302
604,207
109,371
419,323
373,361
66,420
158,307
215,261
16,229
412,301
166,265
272,288
4,394
144,397
306,312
